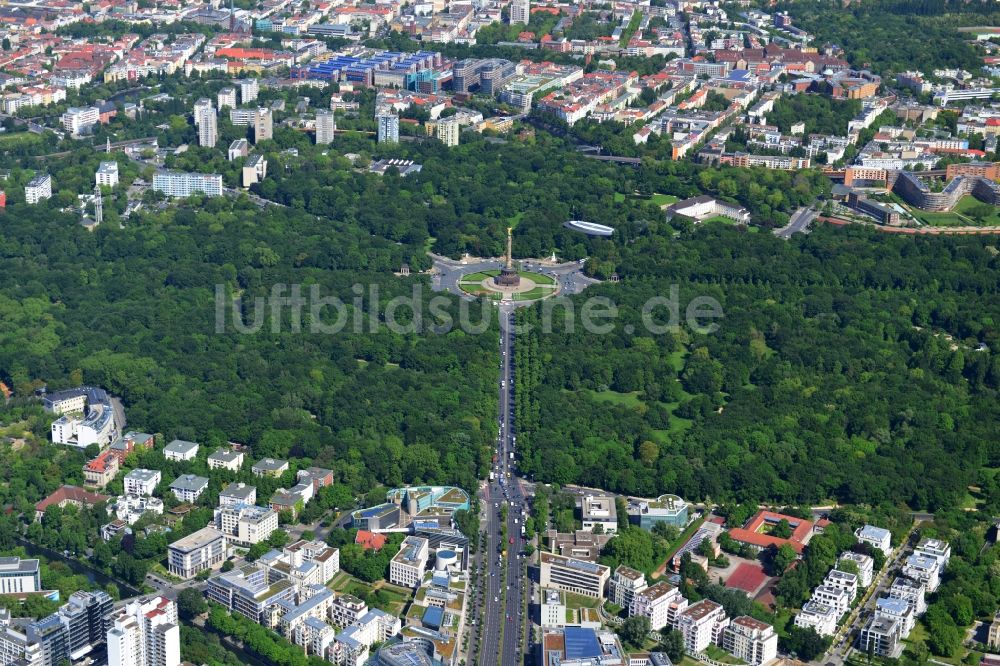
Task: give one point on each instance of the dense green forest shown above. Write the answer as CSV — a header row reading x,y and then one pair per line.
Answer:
x,y
134,310
846,367
896,35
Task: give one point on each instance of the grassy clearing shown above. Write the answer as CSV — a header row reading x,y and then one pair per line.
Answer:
x,y
619,197
538,278
574,601
663,199
630,399
968,202
940,219
10,140
479,277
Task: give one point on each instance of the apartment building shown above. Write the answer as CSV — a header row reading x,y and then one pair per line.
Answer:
x,y
254,170
898,610
107,174
939,550
326,127
245,524
249,590
520,12
249,89
142,481
80,120
238,148
269,467
624,584
836,598
226,459
701,625
552,610
864,563
226,98
145,633
842,580
912,592
876,537
38,188
880,636
208,127
751,640
388,127
407,566
198,551
199,106
819,617
237,493
179,184
189,487
263,125
572,575
662,603
180,450
923,568
100,471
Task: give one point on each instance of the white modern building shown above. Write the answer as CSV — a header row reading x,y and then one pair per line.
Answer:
x,y
189,487
880,636
939,550
237,493
572,575
842,580
864,563
408,565
819,617
249,89
876,537
208,127
925,569
226,98
86,417
198,551
238,148
38,188
18,576
107,174
145,633
520,12
142,481
80,120
599,511
244,524
552,610
624,584
898,610
834,597
662,603
130,508
226,459
751,640
911,591
326,127
388,127
701,625
199,106
180,450
181,184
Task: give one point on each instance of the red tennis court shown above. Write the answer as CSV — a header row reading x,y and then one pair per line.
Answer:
x,y
747,577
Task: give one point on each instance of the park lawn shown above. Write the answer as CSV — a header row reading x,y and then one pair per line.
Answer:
x,y
574,601
969,201
534,293
630,399
940,219
19,139
479,277
663,199
721,219
689,661
718,654
538,278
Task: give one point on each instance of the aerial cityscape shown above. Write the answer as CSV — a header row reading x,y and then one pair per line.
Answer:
x,y
499,333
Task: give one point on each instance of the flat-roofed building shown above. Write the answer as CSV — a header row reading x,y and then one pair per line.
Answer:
x,y
669,509
662,603
911,591
246,524
835,597
237,493
580,646
107,174
198,551
624,584
142,481
876,537
819,617
842,580
864,563
552,610
701,625
19,576
923,568
407,566
751,640
599,511
572,575
899,610
880,636
38,188
939,550
249,591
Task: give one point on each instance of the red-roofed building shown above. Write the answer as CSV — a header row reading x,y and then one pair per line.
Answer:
x,y
756,533
100,471
69,495
370,540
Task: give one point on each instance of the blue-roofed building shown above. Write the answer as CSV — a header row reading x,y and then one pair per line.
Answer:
x,y
579,646
876,537
899,610
432,617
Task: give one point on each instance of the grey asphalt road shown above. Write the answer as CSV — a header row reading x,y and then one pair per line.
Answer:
x,y
798,223
505,490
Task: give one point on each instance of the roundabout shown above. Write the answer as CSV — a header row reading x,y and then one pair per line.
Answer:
x,y
529,287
